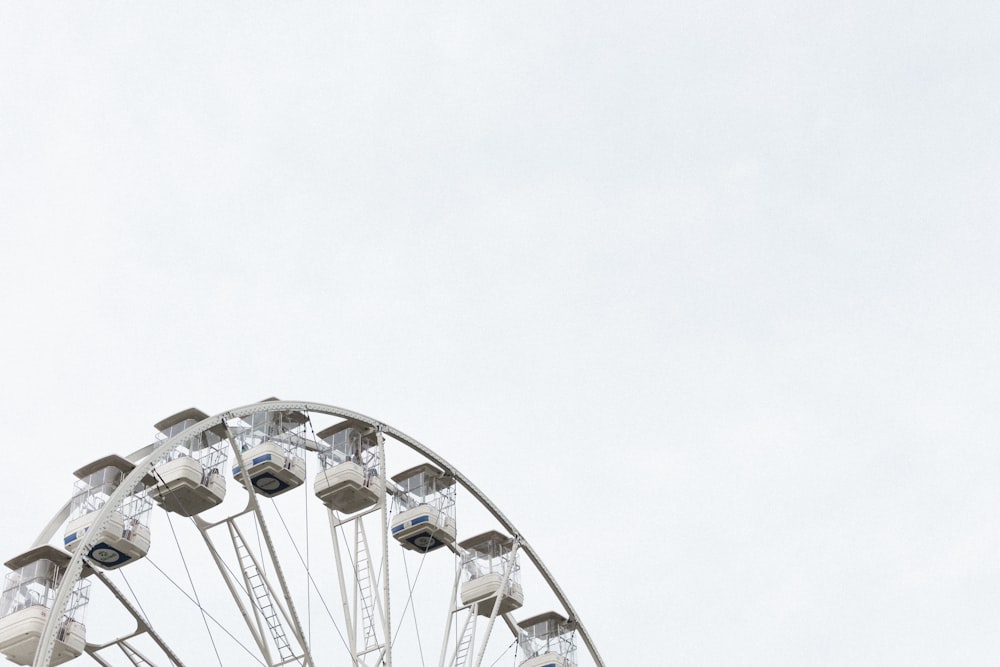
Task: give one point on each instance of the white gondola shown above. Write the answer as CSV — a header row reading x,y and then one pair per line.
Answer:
x,y
490,568
271,449
425,503
125,538
28,594
349,479
547,640
188,482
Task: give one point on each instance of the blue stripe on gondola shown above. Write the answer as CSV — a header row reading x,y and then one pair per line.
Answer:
x,y
68,539
396,529
420,519
256,460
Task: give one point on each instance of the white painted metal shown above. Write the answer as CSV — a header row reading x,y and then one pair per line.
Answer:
x,y
253,623
349,479
185,487
364,606
21,631
27,595
149,456
547,639
352,634
451,617
124,536
467,637
192,478
287,610
135,656
386,622
141,626
266,607
497,601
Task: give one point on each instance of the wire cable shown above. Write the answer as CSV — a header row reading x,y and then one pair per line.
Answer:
x,y
416,626
409,597
493,664
310,577
187,570
214,620
194,590
145,616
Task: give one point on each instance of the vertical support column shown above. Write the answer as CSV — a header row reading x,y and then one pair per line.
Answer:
x,y
253,624
496,603
451,614
351,629
386,624
265,533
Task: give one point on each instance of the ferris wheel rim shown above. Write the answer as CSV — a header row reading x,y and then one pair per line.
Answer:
x,y
148,456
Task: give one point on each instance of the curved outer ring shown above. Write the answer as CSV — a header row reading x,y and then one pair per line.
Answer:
x,y
160,450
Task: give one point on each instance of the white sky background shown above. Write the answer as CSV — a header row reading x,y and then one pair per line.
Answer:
x,y
703,295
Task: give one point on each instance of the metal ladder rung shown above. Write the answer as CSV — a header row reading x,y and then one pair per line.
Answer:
x,y
466,644
257,589
363,574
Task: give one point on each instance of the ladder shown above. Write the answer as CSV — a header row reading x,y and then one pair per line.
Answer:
x,y
468,634
365,585
257,588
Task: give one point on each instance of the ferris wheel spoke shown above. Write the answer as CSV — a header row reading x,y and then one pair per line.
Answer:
x,y
99,660
386,657
256,578
269,605
449,621
134,655
498,600
271,575
143,625
345,601
236,592
358,581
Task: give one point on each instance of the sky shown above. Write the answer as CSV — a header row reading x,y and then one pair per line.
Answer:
x,y
702,295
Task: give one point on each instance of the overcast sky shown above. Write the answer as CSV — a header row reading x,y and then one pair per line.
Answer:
x,y
703,295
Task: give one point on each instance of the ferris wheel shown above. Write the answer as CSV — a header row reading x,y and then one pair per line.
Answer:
x,y
285,533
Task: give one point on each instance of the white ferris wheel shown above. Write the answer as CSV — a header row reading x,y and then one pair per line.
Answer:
x,y
357,546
